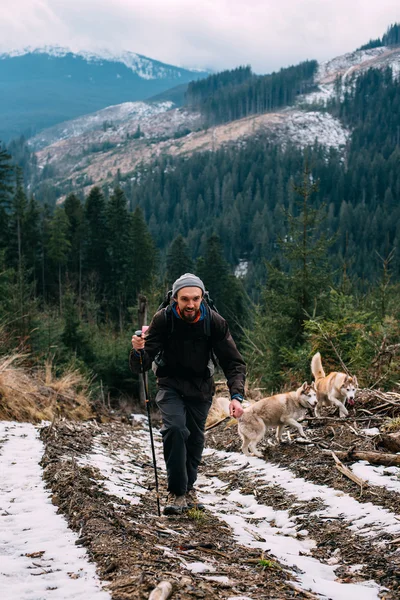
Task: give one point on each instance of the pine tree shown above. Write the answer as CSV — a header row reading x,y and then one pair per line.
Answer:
x,y
6,188
143,254
74,211
179,260
119,254
298,287
225,290
17,231
32,251
95,238
59,246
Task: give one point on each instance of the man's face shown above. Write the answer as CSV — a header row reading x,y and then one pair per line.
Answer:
x,y
189,300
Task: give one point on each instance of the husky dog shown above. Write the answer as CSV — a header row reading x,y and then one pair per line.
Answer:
x,y
335,389
277,411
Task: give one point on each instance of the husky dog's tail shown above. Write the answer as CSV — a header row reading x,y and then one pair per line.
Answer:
x,y
316,367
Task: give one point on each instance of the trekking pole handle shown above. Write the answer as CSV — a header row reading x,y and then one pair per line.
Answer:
x,y
140,332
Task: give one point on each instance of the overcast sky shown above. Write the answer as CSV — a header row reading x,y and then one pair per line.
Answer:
x,y
216,34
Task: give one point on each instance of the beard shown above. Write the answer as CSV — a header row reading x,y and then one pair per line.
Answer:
x,y
189,316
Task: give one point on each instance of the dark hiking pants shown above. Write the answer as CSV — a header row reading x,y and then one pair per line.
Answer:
x,y
184,418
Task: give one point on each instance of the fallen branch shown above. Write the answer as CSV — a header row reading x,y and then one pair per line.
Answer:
x,y
374,458
217,423
298,589
346,471
357,419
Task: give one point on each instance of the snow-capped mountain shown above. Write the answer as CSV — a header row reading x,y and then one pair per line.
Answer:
x,y
49,85
144,67
91,149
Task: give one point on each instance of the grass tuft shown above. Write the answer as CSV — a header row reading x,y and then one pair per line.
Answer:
x,y
197,515
392,425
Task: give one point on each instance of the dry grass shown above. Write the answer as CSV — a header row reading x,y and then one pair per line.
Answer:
x,y
392,425
36,395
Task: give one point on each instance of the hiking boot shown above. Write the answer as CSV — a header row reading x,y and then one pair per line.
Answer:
x,y
193,501
175,505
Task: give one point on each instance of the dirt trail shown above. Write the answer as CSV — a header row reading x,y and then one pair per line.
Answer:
x,y
287,526
265,530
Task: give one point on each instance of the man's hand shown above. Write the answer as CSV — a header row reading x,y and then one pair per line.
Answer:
x,y
235,409
137,342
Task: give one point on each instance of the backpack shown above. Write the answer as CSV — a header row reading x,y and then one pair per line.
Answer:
x,y
159,360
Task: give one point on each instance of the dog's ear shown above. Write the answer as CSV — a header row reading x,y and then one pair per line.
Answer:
x,y
355,381
304,387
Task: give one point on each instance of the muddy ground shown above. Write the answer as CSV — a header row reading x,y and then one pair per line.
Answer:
x,y
134,549
128,541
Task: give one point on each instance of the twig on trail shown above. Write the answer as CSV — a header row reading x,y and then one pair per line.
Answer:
x,y
346,471
383,395
372,417
254,535
213,551
298,589
50,429
217,423
357,433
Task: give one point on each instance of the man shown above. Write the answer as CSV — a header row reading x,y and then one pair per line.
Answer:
x,y
181,340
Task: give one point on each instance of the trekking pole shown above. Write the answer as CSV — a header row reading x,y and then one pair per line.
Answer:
x,y
147,402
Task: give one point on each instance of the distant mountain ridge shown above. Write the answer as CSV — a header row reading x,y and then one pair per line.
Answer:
x,y
45,86
146,68
93,149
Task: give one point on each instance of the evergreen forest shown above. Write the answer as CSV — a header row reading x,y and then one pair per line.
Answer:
x,y
316,232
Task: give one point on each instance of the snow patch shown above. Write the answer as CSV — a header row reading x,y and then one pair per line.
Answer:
x,y
365,519
372,431
30,525
388,478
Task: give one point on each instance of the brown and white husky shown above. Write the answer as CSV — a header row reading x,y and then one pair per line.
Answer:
x,y
335,389
280,411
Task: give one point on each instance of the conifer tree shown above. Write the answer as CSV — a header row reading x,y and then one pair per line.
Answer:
x,y
225,290
74,211
119,254
17,232
32,250
6,188
179,260
59,246
298,287
95,242
143,254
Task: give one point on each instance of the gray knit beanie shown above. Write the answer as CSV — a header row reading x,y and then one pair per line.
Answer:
x,y
187,280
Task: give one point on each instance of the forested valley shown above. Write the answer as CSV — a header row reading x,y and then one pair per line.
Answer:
x,y
313,235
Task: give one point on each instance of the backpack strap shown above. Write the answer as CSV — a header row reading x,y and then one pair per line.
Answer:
x,y
169,319
166,302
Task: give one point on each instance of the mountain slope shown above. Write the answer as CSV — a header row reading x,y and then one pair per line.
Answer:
x,y
42,87
95,157
85,152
